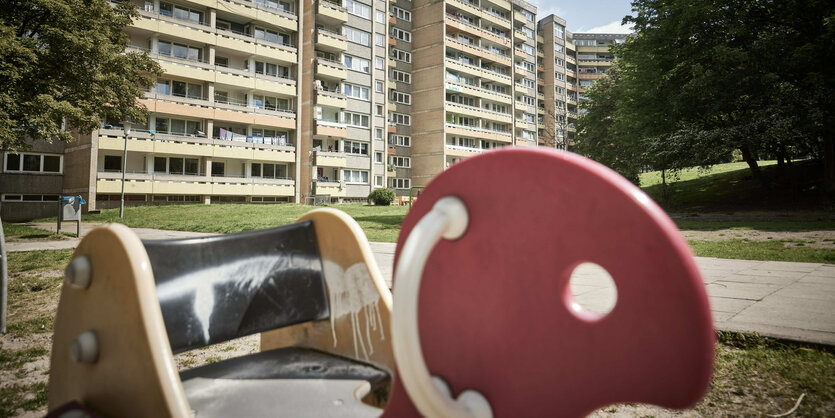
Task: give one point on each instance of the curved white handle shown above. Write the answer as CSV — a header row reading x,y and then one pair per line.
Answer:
x,y
448,219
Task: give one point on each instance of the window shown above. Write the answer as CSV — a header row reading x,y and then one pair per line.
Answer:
x,y
378,110
528,49
528,15
34,163
358,9
400,55
400,119
180,12
401,76
528,83
357,148
355,176
378,86
400,140
529,66
558,48
461,141
356,92
269,171
177,126
401,34
378,181
379,39
402,162
456,98
274,70
528,32
380,16
357,119
271,36
270,102
160,164
30,198
400,183
180,51
357,36
559,31
528,100
357,64
399,97
378,133
378,157
401,14
379,63
113,163
218,169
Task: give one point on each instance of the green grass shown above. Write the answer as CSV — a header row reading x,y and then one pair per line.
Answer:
x,y
38,260
13,359
747,224
380,223
27,397
16,232
775,250
732,187
755,375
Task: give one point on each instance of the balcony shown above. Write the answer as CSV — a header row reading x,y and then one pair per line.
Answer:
x,y
519,36
329,69
484,53
478,71
459,151
478,91
331,129
477,112
480,133
247,44
330,159
113,140
331,12
456,24
174,184
330,41
518,17
261,11
331,98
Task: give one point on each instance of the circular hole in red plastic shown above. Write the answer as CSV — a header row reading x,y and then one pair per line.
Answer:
x,y
593,293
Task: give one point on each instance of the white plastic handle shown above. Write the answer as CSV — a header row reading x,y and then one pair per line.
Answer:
x,y
448,219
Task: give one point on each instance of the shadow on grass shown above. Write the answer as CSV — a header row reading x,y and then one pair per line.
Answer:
x,y
391,220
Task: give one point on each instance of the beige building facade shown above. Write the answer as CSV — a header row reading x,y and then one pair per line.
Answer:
x,y
267,101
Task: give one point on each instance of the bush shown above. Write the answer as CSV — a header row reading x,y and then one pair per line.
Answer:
x,y
382,197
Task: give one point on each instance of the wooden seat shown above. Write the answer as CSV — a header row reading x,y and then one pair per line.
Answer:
x,y
303,288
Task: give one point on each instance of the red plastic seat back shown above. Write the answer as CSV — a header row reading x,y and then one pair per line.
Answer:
x,y
494,306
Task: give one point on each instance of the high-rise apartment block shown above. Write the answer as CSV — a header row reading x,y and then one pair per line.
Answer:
x,y
283,101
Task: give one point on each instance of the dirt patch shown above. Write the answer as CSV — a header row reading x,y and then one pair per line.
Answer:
x,y
816,239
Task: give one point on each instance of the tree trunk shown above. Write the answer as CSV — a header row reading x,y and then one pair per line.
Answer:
x,y
752,162
829,162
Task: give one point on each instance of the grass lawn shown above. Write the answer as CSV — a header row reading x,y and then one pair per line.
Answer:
x,y
753,375
16,232
780,250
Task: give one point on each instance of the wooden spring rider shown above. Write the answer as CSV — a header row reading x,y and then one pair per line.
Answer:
x,y
489,247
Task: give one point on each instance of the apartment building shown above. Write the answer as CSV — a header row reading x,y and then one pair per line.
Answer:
x,y
281,101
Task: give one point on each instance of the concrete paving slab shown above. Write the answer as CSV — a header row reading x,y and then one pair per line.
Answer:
x,y
737,290
768,279
825,270
788,333
771,273
787,266
788,312
729,305
812,291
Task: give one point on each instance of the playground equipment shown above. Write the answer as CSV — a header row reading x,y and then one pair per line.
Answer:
x,y
484,323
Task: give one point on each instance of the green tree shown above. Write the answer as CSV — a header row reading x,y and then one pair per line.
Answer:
x,y
63,65
699,80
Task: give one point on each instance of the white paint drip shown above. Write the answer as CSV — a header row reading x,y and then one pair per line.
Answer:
x,y
352,292
248,273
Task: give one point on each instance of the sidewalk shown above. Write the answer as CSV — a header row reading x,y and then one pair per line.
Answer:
x,y
795,301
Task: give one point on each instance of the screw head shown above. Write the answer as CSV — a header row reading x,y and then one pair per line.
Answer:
x,y
79,272
85,348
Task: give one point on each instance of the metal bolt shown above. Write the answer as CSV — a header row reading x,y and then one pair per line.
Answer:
x,y
85,348
79,272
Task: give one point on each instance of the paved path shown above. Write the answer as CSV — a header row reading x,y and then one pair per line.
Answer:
x,y
795,301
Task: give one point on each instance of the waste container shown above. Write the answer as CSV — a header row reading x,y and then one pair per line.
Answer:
x,y
69,209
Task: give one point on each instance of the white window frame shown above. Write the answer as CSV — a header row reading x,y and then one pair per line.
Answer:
x,y
400,119
356,63
400,183
348,147
400,55
356,92
358,9
401,34
349,119
400,140
401,14
400,97
352,33
347,176
400,162
401,76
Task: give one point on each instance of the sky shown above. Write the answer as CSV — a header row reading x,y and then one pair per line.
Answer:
x,y
600,16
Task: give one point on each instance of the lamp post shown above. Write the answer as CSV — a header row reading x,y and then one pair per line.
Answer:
x,y
126,128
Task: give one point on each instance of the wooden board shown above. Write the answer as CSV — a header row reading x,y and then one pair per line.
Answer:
x,y
135,375
360,301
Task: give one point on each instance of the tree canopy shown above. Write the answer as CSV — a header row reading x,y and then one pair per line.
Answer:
x,y
63,66
699,80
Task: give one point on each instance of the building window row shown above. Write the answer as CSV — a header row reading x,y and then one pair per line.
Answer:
x,y
401,76
400,140
357,148
402,98
34,163
398,183
401,14
402,162
401,34
355,176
